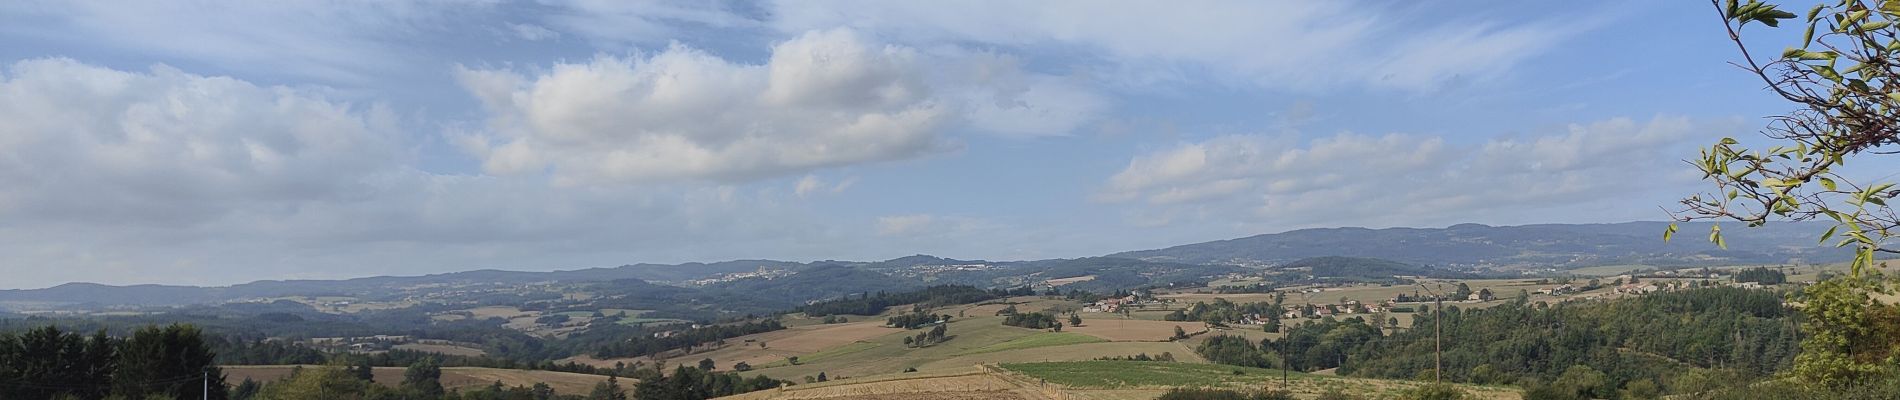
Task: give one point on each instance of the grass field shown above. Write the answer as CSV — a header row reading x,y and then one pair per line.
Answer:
x,y
452,377
967,383
887,353
1133,330
1124,374
1181,351
1147,380
1037,340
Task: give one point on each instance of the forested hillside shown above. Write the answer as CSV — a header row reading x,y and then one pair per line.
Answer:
x,y
1562,245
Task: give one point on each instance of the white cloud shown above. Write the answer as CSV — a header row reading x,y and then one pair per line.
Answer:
x,y
812,184
85,142
1399,179
614,23
998,95
824,99
1305,45
163,176
807,185
300,38
532,32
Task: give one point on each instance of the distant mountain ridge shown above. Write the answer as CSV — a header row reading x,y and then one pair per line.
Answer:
x,y
1545,245
1465,245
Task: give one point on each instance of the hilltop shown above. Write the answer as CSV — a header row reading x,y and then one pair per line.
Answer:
x,y
1562,246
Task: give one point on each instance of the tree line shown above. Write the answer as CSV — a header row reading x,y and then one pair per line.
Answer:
x,y
934,296
168,362
1642,341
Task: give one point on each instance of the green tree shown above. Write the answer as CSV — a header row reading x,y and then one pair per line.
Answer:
x,y
542,391
706,364
245,390
1841,78
1850,337
328,382
609,390
1075,320
161,362
57,362
363,370
424,378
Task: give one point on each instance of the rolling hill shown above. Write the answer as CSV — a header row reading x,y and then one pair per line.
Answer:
x,y
1545,245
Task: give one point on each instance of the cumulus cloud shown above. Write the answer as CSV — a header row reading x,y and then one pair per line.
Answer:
x,y
824,99
1403,178
166,176
85,142
1272,44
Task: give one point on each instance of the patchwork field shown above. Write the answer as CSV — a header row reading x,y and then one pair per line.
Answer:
x,y
1147,380
442,349
969,382
452,377
772,347
1069,280
1133,330
1182,352
1037,340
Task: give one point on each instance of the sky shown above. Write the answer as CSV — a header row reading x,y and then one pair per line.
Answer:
x,y
213,143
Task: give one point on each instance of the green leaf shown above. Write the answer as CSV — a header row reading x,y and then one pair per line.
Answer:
x,y
1670,232
1827,72
1829,233
1827,183
1876,25
1773,17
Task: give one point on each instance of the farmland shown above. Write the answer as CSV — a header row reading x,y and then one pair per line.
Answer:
x,y
1037,340
452,377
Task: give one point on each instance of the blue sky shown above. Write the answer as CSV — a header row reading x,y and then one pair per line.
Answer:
x,y
195,143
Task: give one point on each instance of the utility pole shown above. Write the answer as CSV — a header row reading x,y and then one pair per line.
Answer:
x,y
1438,335
206,391
1285,333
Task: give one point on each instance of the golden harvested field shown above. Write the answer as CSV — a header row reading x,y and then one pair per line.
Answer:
x,y
1133,330
1075,352
963,384
452,377
821,337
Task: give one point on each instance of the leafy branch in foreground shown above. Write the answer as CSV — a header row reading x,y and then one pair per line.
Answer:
x,y
1844,78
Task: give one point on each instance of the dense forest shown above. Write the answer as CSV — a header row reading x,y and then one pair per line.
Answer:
x,y
153,362
934,296
678,340
1650,340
